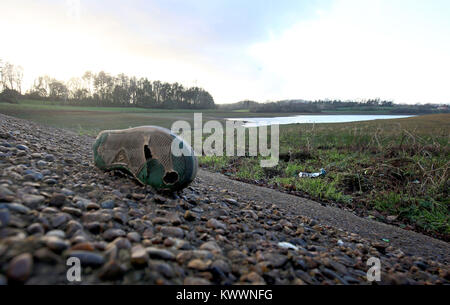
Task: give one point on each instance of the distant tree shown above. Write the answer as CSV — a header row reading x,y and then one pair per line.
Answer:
x,y
58,91
11,76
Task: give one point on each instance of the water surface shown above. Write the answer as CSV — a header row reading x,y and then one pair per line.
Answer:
x,y
302,119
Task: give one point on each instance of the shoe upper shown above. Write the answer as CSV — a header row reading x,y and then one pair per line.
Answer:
x,y
148,154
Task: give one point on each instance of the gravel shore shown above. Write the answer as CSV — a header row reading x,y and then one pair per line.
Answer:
x,y
55,204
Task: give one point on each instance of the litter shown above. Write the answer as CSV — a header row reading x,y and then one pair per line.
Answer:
x,y
287,245
322,173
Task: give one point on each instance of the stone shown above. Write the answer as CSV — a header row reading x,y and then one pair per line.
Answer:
x,y
57,233
6,195
216,224
41,164
154,252
122,243
112,270
112,234
4,218
172,231
49,158
59,219
20,267
50,181
33,201
19,208
221,265
35,228
87,258
72,211
199,264
56,244
190,280
139,255
134,237
22,147
253,278
164,269
274,259
84,246
33,176
211,246
107,204
57,200
188,215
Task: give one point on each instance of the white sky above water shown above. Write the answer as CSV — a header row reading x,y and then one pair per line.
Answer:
x,y
254,49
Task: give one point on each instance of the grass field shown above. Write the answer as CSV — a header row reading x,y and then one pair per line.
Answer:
x,y
390,170
91,120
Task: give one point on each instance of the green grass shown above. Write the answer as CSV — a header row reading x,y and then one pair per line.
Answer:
x,y
396,167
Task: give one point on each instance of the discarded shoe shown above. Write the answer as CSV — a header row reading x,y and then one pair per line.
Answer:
x,y
146,153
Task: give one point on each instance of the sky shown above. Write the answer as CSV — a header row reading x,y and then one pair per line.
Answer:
x,y
241,49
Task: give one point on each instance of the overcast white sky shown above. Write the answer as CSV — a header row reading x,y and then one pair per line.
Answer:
x,y
247,49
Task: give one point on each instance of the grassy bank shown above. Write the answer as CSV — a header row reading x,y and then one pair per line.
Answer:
x,y
392,170
91,120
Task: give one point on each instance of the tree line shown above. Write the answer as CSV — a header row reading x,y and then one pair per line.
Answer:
x,y
318,106
103,89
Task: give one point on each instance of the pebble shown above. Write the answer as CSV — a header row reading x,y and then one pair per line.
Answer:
x,y
112,270
216,224
56,244
198,264
107,204
172,231
160,253
19,208
4,218
35,228
87,258
58,200
111,234
191,280
211,246
49,158
139,255
41,164
188,215
32,201
20,267
22,147
134,237
56,233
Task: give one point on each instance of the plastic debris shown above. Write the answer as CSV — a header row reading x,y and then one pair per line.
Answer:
x,y
385,240
322,173
287,245
340,242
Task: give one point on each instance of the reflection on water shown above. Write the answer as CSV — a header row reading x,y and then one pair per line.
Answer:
x,y
255,122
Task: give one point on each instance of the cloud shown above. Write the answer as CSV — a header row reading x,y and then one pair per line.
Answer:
x,y
262,50
361,49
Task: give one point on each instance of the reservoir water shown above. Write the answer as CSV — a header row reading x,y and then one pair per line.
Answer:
x,y
299,119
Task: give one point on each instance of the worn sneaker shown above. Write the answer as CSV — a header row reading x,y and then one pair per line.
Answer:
x,y
146,153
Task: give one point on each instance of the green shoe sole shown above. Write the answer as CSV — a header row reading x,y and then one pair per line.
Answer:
x,y
147,153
